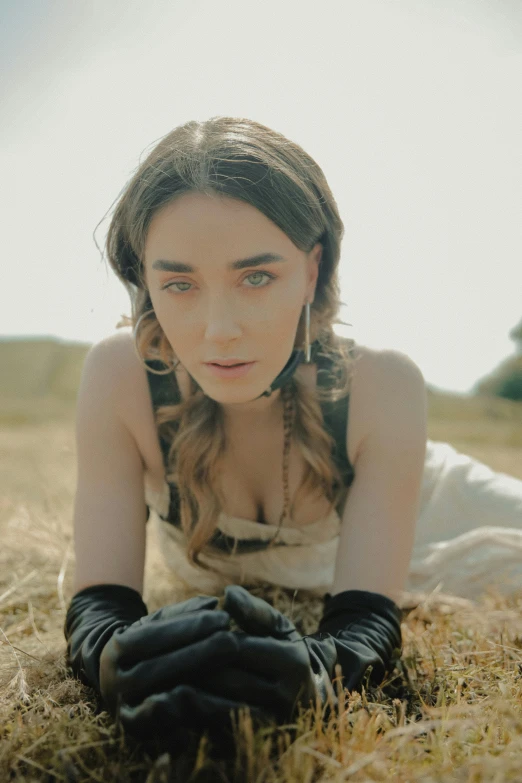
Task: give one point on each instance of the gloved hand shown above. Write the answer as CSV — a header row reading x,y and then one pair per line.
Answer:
x,y
159,651
358,629
179,678
275,669
144,666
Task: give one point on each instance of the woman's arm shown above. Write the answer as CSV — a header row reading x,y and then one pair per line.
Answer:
x,y
380,515
110,513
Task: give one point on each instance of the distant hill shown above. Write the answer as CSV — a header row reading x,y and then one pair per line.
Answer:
x,y
40,367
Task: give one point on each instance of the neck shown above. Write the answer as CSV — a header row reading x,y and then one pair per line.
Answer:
x,y
260,412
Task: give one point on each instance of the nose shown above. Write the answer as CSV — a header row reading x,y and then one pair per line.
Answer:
x,y
221,321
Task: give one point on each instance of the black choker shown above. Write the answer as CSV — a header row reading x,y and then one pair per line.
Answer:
x,y
297,356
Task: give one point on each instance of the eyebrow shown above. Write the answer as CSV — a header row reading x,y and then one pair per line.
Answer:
x,y
178,266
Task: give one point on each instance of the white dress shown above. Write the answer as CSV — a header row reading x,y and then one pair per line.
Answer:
x,y
468,535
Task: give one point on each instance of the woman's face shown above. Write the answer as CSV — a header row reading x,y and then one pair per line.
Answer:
x,y
210,309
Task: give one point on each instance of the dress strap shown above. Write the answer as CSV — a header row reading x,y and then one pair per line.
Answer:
x,y
164,390
335,416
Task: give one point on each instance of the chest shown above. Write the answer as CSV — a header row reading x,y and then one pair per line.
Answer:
x,y
252,483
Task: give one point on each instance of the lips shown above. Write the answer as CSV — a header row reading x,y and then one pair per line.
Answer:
x,y
230,371
227,364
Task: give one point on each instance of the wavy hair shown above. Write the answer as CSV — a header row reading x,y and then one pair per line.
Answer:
x,y
241,159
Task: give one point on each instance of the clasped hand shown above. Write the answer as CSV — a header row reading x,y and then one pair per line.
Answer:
x,y
182,669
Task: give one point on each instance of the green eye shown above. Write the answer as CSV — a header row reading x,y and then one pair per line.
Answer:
x,y
257,274
176,283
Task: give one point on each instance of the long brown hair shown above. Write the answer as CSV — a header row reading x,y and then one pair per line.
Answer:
x,y
241,159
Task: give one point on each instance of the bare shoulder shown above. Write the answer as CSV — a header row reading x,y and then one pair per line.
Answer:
x,y
111,365
388,389
113,359
384,360
117,351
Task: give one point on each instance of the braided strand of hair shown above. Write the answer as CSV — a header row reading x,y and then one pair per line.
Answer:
x,y
288,397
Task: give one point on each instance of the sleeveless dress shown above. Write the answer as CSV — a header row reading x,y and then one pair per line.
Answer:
x,y
468,532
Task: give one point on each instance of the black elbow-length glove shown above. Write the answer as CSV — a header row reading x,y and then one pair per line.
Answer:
x,y
93,616
365,629
358,629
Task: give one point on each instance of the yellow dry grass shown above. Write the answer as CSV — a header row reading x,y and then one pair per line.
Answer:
x,y
451,711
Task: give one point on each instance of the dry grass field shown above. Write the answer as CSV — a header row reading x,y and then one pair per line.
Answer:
x,y
452,711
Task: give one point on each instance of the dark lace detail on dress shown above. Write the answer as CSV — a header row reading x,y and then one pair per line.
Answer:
x,y
164,391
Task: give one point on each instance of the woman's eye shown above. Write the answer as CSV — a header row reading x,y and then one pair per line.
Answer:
x,y
170,285
252,274
258,274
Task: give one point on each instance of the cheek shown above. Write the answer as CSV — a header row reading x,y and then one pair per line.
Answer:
x,y
283,306
170,320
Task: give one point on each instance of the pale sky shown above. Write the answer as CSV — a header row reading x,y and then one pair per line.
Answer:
x,y
411,107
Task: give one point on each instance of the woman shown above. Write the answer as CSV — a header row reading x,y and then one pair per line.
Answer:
x,y
228,240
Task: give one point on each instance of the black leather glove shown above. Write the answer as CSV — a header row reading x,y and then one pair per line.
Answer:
x,y
276,670
358,629
93,615
146,667
365,629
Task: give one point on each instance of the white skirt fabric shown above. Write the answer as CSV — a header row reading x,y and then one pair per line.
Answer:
x,y
468,535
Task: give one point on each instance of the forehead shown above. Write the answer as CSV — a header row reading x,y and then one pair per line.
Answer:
x,y
193,224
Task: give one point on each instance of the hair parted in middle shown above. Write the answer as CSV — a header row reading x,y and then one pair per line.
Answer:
x,y
245,160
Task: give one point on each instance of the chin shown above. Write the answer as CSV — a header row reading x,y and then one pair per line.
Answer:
x,y
235,397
